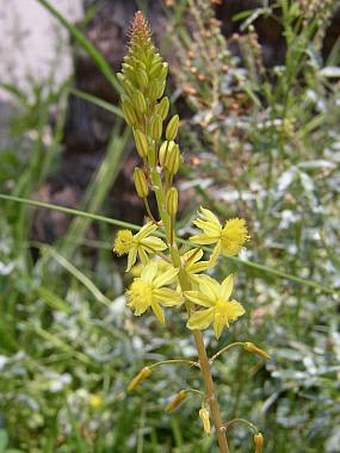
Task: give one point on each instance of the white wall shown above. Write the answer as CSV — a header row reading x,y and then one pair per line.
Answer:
x,y
33,43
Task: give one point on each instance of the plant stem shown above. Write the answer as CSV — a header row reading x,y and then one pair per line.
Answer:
x,y
210,392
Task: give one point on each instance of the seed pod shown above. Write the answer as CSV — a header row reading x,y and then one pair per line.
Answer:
x,y
177,401
162,109
141,183
156,128
172,128
171,201
258,441
205,417
251,347
143,374
129,112
141,143
139,101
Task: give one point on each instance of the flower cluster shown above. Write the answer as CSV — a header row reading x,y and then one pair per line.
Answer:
x,y
168,276
159,282
164,274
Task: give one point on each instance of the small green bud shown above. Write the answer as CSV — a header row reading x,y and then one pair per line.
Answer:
x,y
156,127
129,112
171,201
170,157
177,401
156,69
143,374
156,90
141,143
143,80
141,183
162,108
140,103
164,150
164,71
172,128
251,347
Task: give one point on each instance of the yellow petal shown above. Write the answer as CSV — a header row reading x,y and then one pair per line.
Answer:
x,y
197,297
158,312
210,288
203,239
201,319
227,287
167,297
154,244
131,259
166,278
146,230
149,272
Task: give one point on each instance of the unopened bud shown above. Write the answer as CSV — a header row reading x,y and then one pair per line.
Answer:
x,y
177,401
171,201
205,417
156,89
172,128
143,374
139,101
141,183
170,157
156,69
258,441
162,109
143,80
141,143
156,128
129,112
251,347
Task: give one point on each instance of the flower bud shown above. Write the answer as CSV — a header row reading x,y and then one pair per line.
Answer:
x,y
205,417
162,109
170,157
171,201
139,102
141,183
258,441
251,347
156,69
172,128
143,80
177,401
129,112
156,89
156,128
141,143
143,374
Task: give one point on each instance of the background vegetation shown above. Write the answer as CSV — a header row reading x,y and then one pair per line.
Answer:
x,y
261,143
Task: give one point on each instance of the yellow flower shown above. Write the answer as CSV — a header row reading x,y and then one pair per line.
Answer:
x,y
192,264
148,291
228,239
220,311
141,244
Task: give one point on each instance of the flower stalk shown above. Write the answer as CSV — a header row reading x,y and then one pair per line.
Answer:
x,y
171,276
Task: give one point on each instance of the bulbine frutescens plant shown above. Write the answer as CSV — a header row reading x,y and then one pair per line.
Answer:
x,y
171,276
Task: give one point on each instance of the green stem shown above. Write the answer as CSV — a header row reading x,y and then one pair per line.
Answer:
x,y
226,348
174,362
